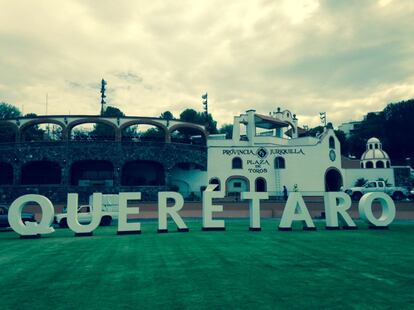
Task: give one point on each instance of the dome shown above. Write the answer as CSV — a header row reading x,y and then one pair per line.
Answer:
x,y
373,140
374,156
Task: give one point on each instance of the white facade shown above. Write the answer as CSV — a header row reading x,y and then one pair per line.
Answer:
x,y
276,159
267,153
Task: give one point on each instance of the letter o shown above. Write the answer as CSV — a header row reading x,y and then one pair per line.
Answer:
x,y
387,205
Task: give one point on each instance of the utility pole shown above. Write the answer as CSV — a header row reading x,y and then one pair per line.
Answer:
x,y
205,107
103,96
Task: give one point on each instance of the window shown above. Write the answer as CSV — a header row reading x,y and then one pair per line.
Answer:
x,y
237,163
369,164
371,184
380,184
388,164
280,163
331,143
362,165
215,181
260,185
237,185
376,146
380,164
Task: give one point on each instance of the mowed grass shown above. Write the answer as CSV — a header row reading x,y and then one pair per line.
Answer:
x,y
362,269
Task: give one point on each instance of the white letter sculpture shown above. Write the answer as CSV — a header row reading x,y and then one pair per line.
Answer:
x,y
164,211
295,202
388,209
337,203
123,226
31,229
254,207
96,213
208,208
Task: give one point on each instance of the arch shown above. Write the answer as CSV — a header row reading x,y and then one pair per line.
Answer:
x,y
41,172
234,189
260,185
28,131
215,180
6,174
8,132
362,165
92,173
369,165
100,135
333,180
280,163
331,143
143,173
388,165
186,134
236,163
158,125
379,164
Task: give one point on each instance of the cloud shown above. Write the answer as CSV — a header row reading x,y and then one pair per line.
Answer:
x,y
345,58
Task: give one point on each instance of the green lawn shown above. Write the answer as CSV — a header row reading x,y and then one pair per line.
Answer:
x,y
210,270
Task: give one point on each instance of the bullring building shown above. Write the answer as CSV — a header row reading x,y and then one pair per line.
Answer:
x,y
54,155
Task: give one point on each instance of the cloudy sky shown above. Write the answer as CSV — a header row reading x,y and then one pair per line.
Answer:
x,y
343,57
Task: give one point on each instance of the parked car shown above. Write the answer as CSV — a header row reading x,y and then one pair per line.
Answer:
x,y
397,193
411,195
4,221
109,212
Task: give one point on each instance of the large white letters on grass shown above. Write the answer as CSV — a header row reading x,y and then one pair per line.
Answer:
x,y
123,225
337,204
164,210
254,207
96,213
388,209
31,228
295,203
209,208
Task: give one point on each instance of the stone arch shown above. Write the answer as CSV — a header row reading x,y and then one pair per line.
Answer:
x,y
201,130
143,173
41,121
92,172
146,122
41,172
333,180
93,120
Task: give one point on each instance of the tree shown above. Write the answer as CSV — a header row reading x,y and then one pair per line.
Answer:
x,y
9,111
227,129
113,112
190,115
103,131
167,115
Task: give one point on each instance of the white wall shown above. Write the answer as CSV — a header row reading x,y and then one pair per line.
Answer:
x,y
306,170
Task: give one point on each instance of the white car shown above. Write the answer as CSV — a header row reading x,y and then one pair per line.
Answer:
x,y
397,193
109,212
